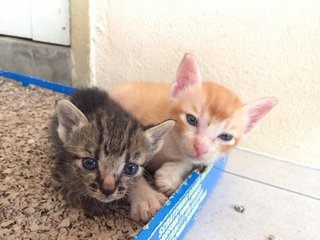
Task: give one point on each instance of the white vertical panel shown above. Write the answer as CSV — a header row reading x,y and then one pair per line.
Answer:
x,y
51,21
40,20
15,18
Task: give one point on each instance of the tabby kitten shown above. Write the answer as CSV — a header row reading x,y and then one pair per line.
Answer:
x,y
100,150
210,121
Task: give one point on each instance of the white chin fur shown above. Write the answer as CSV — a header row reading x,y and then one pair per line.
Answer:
x,y
201,162
205,161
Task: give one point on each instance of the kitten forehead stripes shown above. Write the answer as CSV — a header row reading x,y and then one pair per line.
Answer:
x,y
118,137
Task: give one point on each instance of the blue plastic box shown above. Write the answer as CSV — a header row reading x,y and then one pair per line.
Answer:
x,y
174,219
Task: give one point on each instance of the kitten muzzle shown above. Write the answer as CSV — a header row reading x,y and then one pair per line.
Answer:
x,y
108,185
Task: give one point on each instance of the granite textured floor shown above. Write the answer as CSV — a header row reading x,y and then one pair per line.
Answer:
x,y
30,207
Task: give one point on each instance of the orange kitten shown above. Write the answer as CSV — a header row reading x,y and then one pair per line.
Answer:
x,y
210,121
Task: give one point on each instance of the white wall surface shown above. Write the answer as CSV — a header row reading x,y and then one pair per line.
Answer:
x,y
257,48
15,18
39,20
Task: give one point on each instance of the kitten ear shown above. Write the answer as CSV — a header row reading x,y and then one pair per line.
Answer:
x,y
187,75
256,110
70,119
156,134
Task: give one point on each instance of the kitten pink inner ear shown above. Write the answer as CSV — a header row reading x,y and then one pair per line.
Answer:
x,y
256,110
187,75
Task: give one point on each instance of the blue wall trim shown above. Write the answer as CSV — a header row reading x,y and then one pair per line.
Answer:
x,y
26,81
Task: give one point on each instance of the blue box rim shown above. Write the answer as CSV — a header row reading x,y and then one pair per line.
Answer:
x,y
29,80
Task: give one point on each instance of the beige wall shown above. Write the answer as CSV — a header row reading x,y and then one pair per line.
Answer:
x,y
257,48
80,42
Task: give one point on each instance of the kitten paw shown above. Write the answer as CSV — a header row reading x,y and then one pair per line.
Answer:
x,y
167,181
147,207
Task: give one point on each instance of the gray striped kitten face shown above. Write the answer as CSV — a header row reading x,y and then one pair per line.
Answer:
x,y
106,151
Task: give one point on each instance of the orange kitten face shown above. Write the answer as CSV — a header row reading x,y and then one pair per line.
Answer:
x,y
210,119
209,122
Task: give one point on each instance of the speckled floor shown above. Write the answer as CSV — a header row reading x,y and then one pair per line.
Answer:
x,y
281,200
30,208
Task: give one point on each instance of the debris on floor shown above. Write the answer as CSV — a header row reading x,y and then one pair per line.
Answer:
x,y
30,207
271,237
239,208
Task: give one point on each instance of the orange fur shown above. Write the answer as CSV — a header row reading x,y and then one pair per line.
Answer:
x,y
147,101
217,108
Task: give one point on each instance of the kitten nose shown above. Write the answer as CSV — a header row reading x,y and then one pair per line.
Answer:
x,y
200,147
108,185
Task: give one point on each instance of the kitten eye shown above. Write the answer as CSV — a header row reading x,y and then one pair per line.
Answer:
x,y
191,120
225,137
89,164
130,168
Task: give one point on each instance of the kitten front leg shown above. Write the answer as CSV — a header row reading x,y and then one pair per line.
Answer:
x,y
144,201
170,176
